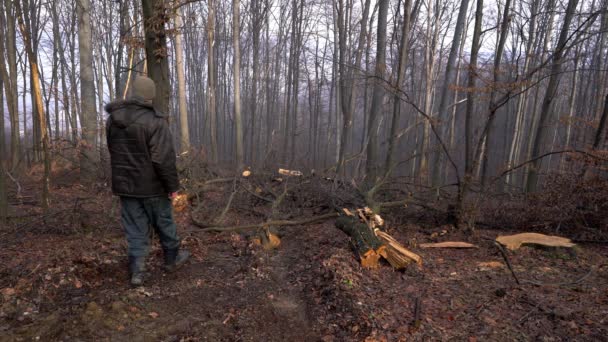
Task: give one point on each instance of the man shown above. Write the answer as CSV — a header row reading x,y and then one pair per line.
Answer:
x,y
144,175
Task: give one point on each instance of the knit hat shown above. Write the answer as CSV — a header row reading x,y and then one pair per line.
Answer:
x,y
144,88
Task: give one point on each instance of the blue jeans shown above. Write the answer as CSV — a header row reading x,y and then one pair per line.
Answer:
x,y
139,215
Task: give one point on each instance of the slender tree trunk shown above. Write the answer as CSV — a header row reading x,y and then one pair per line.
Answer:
x,y
403,54
504,27
36,89
237,86
450,76
10,77
542,128
211,94
3,189
522,102
89,159
378,96
181,86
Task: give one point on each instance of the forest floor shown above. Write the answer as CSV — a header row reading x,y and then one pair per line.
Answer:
x,y
63,276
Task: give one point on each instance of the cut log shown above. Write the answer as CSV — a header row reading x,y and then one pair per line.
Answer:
x,y
368,247
373,245
448,244
294,173
513,242
397,255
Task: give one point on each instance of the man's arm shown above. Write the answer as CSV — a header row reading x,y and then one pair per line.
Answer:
x,y
162,155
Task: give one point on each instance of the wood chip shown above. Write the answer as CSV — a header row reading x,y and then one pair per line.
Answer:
x,y
448,244
513,242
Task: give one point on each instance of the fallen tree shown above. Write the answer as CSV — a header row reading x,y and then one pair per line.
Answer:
x,y
371,243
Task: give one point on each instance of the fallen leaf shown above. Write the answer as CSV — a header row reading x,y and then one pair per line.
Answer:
x,y
153,314
448,244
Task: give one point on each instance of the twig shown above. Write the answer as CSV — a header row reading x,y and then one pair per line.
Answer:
x,y
254,194
417,313
268,224
220,218
507,261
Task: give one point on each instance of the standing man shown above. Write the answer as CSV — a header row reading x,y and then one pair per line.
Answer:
x,y
144,175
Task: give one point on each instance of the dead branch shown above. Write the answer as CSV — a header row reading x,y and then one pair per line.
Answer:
x,y
507,261
16,183
254,194
221,217
269,223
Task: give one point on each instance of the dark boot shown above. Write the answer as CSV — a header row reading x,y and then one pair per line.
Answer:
x,y
137,267
175,258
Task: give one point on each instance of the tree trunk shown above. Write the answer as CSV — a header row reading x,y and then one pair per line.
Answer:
x,y
36,89
450,75
403,54
181,86
211,93
237,86
492,109
377,99
89,159
155,18
9,45
542,128
3,189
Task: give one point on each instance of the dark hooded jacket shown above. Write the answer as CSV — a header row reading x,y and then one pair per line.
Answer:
x,y
141,150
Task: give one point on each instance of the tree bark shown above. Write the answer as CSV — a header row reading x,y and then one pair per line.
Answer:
x,y
542,128
89,159
237,86
450,75
156,51
9,45
36,89
211,92
403,54
181,86
377,99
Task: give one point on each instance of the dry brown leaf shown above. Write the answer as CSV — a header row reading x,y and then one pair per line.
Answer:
x,y
448,244
513,242
153,314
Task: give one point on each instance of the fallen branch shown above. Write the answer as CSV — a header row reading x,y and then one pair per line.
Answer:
x,y
507,261
273,223
16,183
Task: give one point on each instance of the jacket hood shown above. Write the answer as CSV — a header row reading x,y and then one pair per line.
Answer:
x,y
126,112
